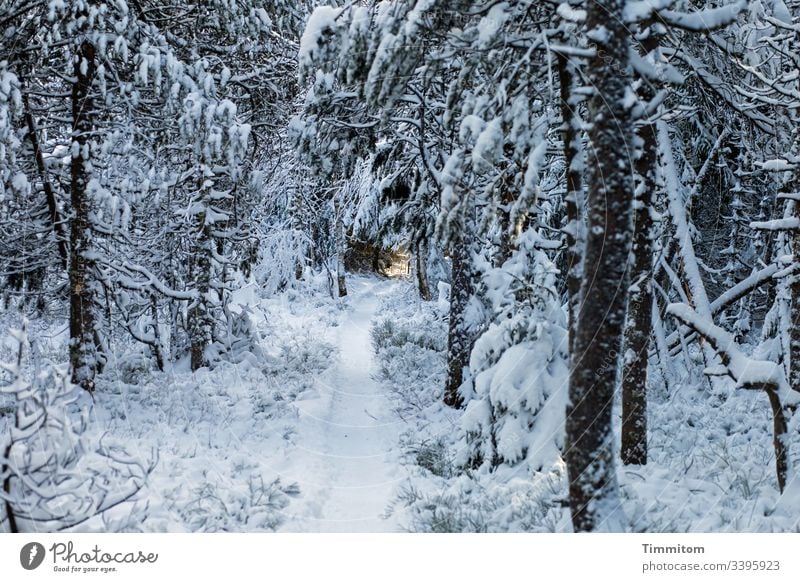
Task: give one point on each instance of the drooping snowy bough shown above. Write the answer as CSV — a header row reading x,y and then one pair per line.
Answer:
x,y
751,374
53,474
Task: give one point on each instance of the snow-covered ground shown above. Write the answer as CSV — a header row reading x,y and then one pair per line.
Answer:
x,y
334,423
302,439
345,452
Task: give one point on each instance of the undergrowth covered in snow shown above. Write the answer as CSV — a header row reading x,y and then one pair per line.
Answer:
x,y
227,436
707,472
219,431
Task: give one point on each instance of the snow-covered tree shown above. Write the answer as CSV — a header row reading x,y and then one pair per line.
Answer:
x,y
54,474
594,496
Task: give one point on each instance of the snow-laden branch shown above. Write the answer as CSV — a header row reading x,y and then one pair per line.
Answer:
x,y
792,223
729,297
677,211
749,373
746,371
704,20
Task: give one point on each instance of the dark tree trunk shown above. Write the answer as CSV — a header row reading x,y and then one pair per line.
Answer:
x,y
157,345
9,509
593,489
639,323
341,281
376,259
422,270
295,214
572,156
780,426
794,334
56,221
460,337
200,323
504,245
83,357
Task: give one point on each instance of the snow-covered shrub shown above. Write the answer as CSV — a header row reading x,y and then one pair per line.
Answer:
x,y
389,333
497,467
239,339
411,361
294,369
470,503
433,455
283,253
226,505
520,368
54,474
132,368
306,354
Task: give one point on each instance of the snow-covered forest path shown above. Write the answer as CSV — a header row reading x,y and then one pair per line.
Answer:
x,y
344,454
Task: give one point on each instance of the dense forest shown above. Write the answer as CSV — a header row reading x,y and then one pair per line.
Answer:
x,y
399,265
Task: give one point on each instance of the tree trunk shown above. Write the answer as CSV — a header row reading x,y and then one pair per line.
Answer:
x,y
460,334
794,334
376,259
593,490
200,324
639,323
504,245
83,357
340,250
422,271
56,221
9,509
295,215
573,159
157,345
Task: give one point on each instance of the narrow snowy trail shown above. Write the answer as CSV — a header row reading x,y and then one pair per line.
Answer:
x,y
344,456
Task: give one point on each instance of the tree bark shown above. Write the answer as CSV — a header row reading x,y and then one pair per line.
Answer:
x,y
341,281
83,357
639,324
639,321
200,323
422,270
794,334
460,335
56,221
504,246
572,158
593,490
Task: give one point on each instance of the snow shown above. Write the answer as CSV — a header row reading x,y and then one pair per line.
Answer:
x,y
344,454
322,20
637,10
319,434
567,12
677,209
492,23
319,413
20,183
792,223
776,165
706,19
747,372
781,11
301,438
